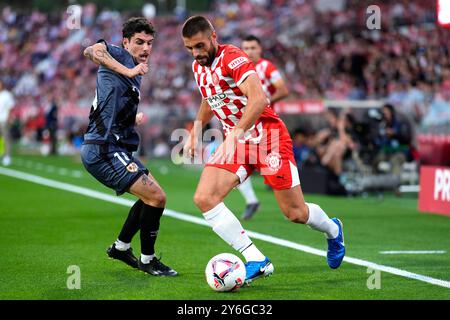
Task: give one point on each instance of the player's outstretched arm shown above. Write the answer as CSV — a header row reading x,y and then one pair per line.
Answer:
x,y
98,53
204,114
256,102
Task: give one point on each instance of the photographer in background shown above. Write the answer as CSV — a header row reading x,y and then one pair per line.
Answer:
x,y
336,141
304,148
394,141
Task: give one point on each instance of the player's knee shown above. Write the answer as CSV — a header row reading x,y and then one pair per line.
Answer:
x,y
156,199
200,200
204,202
297,213
160,199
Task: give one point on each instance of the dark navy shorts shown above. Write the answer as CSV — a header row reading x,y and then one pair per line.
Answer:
x,y
112,165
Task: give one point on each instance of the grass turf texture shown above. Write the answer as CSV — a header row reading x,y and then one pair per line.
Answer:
x,y
45,230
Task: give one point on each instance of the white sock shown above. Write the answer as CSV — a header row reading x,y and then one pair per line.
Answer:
x,y
122,246
247,191
146,258
318,220
228,227
251,253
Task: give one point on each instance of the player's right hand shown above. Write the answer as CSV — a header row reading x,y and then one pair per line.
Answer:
x,y
139,70
139,118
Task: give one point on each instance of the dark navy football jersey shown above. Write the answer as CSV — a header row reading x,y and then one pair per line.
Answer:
x,y
113,112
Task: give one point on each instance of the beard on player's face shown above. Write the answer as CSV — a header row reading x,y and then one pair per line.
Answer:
x,y
206,59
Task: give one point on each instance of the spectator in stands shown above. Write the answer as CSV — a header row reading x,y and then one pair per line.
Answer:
x,y
51,125
438,114
325,54
6,104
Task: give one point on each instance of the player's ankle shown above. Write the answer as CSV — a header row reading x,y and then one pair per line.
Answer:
x,y
122,246
145,259
251,253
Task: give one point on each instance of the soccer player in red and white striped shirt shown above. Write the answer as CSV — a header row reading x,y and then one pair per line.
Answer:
x,y
256,138
272,82
275,89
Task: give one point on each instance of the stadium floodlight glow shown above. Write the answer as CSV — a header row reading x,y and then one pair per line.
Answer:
x,y
443,12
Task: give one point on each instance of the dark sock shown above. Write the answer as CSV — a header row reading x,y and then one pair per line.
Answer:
x,y
150,217
133,223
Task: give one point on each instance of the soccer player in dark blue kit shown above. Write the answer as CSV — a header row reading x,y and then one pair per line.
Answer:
x,y
111,138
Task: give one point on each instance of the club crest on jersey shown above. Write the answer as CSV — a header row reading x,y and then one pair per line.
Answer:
x,y
215,79
273,161
237,62
132,167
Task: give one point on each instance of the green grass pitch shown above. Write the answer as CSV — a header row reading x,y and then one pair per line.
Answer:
x,y
45,230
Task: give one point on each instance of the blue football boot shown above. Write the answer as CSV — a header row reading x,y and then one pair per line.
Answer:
x,y
336,247
258,269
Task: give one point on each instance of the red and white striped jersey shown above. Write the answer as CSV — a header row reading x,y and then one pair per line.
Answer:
x,y
268,74
219,86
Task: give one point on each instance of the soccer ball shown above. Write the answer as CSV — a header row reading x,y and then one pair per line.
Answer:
x,y
225,272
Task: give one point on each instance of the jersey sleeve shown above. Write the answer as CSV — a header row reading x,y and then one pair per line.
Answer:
x,y
272,73
238,65
116,52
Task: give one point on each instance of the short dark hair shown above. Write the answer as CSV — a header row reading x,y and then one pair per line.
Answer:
x,y
252,38
196,24
391,108
136,25
304,131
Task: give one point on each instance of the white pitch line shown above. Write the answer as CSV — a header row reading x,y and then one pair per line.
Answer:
x,y
189,218
415,252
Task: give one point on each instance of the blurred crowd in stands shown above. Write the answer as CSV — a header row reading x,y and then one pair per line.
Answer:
x,y
322,53
333,55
